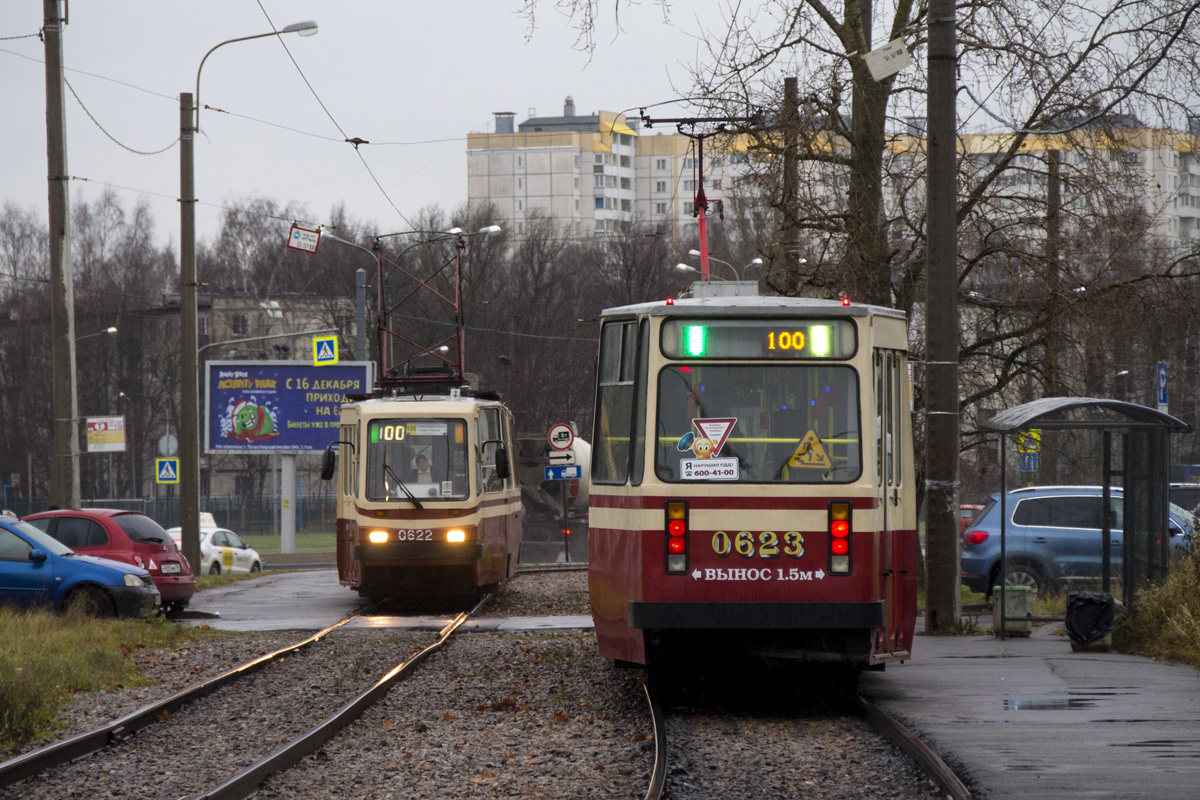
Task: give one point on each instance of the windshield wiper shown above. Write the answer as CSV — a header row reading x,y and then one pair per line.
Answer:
x,y
388,470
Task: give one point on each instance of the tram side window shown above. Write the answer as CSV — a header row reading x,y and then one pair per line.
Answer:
x,y
348,460
614,403
639,413
489,442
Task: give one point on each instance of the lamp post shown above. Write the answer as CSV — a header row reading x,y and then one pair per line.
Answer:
x,y
736,274
189,367
131,447
107,331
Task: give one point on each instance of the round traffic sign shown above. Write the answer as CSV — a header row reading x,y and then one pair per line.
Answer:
x,y
168,445
561,436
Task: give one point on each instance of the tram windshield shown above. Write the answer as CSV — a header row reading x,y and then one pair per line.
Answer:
x,y
758,423
417,458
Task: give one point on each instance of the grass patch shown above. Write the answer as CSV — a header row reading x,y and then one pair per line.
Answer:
x,y
47,657
1166,624
224,579
269,544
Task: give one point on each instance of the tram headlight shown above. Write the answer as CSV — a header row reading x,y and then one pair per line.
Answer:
x,y
456,535
377,537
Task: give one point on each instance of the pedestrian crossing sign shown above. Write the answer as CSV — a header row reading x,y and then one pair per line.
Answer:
x,y
166,470
325,351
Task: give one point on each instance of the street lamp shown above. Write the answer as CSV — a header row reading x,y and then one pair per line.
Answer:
x,y
131,447
189,367
736,274
108,330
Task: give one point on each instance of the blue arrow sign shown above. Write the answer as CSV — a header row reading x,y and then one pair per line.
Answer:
x,y
563,473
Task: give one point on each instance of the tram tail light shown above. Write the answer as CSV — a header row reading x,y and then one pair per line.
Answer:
x,y
677,537
839,538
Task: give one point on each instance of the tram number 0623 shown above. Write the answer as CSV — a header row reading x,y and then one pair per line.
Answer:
x,y
764,544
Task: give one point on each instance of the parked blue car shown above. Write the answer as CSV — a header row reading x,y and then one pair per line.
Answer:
x,y
37,571
1053,535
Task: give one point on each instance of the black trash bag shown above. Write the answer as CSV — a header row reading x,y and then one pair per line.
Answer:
x,y
1089,616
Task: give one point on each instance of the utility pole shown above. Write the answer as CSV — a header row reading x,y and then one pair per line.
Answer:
x,y
943,603
64,462
1049,455
189,378
360,314
791,179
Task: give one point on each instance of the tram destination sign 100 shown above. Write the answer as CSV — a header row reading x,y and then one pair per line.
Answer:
x,y
278,406
759,338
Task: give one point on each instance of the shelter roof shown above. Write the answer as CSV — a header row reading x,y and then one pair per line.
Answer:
x,y
1082,412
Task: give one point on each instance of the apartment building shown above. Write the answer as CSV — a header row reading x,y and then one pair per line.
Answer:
x,y
596,173
1156,171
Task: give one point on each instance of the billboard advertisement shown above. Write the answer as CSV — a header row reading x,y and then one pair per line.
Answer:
x,y
277,406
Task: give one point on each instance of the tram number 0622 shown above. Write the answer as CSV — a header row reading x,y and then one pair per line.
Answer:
x,y
425,535
763,544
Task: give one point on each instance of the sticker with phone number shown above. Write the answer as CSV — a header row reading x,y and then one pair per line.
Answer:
x,y
709,469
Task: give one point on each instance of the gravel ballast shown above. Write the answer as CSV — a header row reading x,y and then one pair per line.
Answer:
x,y
492,715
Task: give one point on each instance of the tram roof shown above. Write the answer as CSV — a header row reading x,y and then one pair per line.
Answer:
x,y
744,305
425,405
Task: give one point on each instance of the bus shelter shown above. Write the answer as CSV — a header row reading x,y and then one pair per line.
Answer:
x,y
1143,476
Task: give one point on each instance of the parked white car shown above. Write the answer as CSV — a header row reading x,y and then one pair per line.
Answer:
x,y
221,550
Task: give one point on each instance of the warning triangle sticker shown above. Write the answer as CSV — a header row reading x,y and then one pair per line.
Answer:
x,y
716,430
810,453
325,352
166,472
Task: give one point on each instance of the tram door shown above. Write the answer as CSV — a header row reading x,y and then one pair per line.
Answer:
x,y
891,404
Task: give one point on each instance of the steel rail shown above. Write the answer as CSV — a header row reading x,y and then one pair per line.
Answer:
x,y
899,735
246,783
29,764
658,774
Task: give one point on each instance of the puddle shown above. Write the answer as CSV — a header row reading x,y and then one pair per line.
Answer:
x,y
1063,701
1045,703
1166,748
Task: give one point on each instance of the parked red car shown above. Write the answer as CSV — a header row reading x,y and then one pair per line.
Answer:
x,y
127,536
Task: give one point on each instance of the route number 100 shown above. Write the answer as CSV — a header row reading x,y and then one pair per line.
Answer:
x,y
786,341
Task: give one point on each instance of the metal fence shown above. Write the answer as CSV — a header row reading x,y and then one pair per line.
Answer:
x,y
315,513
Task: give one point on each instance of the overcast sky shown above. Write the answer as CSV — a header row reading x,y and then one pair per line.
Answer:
x,y
418,72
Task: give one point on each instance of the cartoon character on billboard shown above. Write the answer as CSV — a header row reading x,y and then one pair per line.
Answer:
x,y
252,422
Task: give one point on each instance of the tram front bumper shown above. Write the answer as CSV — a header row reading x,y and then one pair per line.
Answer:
x,y
777,616
417,551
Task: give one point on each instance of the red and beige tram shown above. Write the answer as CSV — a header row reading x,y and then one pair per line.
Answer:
x,y
752,483
427,502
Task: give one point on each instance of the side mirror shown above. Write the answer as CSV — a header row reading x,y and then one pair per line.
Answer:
x,y
502,470
328,464
37,556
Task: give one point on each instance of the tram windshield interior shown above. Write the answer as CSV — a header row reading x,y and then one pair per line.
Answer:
x,y
758,423
421,458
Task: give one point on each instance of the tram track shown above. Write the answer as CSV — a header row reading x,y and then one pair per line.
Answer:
x,y
193,728
732,754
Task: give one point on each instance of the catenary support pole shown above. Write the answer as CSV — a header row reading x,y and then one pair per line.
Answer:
x,y
943,603
64,462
